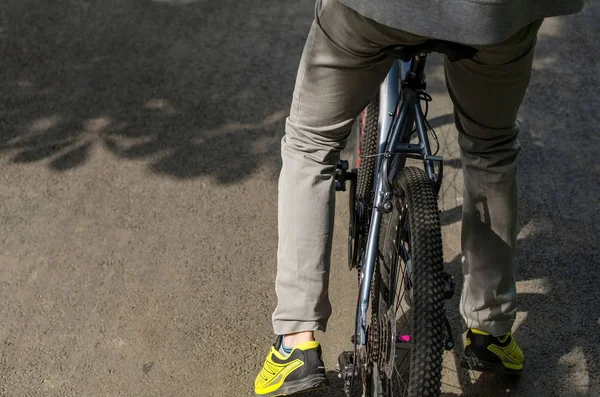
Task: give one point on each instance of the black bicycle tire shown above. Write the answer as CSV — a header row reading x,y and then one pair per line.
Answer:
x,y
361,202
368,149
427,294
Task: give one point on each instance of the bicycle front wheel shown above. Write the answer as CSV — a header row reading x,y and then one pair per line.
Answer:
x,y
361,201
369,131
409,293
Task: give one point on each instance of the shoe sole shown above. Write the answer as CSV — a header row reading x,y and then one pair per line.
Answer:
x,y
310,383
475,364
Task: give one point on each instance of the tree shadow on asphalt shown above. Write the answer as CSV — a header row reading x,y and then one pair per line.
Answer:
x,y
194,88
155,81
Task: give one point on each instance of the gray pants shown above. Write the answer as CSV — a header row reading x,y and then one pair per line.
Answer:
x,y
340,70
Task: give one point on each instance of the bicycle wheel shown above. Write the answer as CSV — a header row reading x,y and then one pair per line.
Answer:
x,y
361,200
369,126
408,294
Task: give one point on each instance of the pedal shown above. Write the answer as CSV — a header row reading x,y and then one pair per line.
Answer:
x,y
449,285
449,342
342,175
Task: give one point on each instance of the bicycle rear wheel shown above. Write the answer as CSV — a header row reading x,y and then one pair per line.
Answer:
x,y
409,294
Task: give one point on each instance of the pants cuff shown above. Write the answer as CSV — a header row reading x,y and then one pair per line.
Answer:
x,y
493,328
284,327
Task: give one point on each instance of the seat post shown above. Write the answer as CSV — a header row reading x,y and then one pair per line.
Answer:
x,y
415,78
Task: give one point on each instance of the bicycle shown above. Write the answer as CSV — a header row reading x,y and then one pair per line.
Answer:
x,y
394,237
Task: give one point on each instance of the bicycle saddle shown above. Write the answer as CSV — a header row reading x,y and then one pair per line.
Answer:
x,y
454,51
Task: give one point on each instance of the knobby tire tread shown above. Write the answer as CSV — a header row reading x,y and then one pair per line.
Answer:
x,y
427,280
368,150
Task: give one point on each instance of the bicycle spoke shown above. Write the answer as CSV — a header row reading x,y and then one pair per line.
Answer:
x,y
399,298
404,386
400,259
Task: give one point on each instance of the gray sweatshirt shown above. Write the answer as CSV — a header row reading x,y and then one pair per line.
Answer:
x,y
463,21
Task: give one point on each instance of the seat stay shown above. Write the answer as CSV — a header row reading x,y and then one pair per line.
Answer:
x,y
388,100
389,92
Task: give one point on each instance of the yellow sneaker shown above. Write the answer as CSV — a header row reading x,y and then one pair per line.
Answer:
x,y
302,370
486,353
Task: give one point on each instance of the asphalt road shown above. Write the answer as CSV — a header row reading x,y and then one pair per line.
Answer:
x,y
139,160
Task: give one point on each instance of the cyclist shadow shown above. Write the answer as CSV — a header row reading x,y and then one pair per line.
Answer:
x,y
557,316
336,387
558,302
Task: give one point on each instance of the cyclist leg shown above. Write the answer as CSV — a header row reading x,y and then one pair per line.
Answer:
x,y
341,68
487,92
